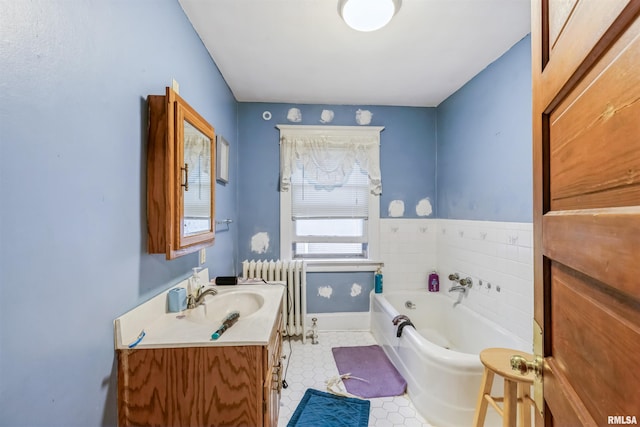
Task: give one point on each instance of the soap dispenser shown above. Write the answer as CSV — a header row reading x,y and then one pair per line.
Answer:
x,y
194,282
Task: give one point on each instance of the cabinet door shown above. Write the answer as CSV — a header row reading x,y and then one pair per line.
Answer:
x,y
273,379
180,177
195,160
272,390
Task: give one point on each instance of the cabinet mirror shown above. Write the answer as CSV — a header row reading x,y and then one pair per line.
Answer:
x,y
180,177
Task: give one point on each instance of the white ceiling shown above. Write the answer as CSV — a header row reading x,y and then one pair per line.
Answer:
x,y
300,51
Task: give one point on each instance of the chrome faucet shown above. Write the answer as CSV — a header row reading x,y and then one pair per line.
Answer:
x,y
463,284
194,301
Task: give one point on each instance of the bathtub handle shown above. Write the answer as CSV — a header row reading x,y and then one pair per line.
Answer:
x,y
466,282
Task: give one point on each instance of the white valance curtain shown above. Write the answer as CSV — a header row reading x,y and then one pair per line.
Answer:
x,y
328,159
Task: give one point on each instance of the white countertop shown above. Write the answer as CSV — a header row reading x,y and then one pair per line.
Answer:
x,y
194,327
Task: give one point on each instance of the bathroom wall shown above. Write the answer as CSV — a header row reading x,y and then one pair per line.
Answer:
x,y
407,161
485,190
409,252
75,76
484,143
498,257
339,292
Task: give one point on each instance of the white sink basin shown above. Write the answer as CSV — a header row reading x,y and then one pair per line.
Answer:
x,y
216,307
259,307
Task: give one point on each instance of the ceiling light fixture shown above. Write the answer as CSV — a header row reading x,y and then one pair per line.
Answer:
x,y
368,15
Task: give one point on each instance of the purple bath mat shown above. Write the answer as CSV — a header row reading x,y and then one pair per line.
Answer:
x,y
371,364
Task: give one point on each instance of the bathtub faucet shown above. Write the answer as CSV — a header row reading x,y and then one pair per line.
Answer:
x,y
463,284
459,288
463,287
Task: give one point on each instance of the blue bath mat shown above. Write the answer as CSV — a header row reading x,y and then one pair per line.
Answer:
x,y
318,408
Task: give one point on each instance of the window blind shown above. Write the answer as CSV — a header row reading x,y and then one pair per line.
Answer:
x,y
314,201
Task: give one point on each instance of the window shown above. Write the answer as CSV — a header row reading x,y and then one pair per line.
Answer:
x,y
330,221
330,186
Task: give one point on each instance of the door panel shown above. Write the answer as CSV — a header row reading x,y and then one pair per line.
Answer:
x,y
562,401
587,315
587,31
603,244
586,136
559,13
603,107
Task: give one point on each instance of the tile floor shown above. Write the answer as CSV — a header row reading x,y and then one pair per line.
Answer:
x,y
311,365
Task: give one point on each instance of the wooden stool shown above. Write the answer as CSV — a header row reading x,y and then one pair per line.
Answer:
x,y
517,388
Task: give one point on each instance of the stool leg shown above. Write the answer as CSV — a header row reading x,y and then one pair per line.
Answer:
x,y
481,405
524,404
510,401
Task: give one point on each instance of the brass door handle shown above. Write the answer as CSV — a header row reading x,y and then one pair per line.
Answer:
x,y
524,366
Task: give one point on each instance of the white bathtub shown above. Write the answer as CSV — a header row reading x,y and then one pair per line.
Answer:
x,y
439,358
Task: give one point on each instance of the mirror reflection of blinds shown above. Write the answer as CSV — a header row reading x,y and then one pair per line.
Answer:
x,y
347,200
196,200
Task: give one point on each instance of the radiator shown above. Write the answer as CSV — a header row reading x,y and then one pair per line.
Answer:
x,y
294,304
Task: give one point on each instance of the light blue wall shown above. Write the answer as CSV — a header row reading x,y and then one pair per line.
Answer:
x,y
73,87
484,143
407,162
349,292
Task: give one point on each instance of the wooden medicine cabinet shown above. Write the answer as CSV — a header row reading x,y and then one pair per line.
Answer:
x,y
180,177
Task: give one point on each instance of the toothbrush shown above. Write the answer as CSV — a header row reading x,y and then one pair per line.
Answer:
x,y
137,340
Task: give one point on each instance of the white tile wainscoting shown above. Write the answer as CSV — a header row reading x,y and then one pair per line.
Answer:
x,y
496,253
408,249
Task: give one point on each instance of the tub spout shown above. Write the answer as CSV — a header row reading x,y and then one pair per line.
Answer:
x,y
401,327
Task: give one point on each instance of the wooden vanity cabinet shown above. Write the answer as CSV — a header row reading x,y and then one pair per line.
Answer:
x,y
201,386
180,177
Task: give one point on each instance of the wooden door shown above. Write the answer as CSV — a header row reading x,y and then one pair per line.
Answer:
x,y
586,137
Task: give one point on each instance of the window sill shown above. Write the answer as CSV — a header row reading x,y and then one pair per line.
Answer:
x,y
338,265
